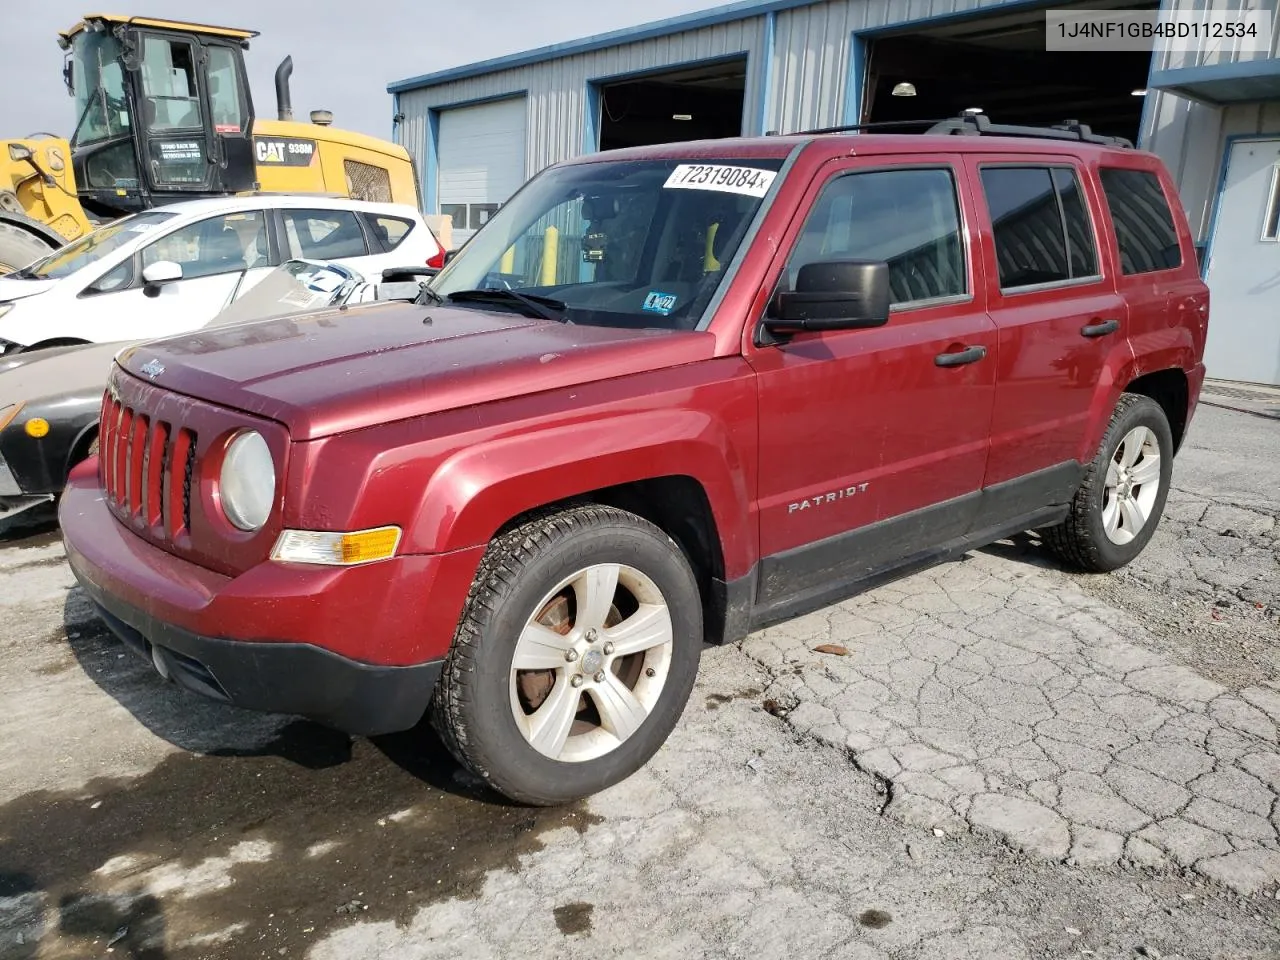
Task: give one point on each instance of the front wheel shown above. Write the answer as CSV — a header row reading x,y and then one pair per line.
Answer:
x,y
575,656
1121,499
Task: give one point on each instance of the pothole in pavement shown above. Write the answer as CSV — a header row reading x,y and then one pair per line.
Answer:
x,y
255,852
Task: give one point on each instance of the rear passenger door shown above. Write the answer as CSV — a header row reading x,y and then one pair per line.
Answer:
x,y
874,441
1058,317
319,234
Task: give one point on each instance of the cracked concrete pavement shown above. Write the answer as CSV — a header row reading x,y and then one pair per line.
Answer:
x,y
1049,710
1010,761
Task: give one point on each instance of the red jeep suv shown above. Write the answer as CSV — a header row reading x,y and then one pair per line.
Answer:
x,y
667,395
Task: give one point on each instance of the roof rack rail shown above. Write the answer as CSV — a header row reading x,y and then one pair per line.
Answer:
x,y
979,125
878,125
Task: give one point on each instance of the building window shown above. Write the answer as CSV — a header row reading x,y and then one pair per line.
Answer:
x,y
1271,222
458,213
1145,233
1041,226
481,213
908,218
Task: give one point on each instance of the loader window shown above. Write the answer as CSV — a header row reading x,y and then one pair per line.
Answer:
x,y
170,98
98,79
225,100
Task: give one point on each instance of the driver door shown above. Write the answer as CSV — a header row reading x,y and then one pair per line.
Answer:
x,y
876,439
219,256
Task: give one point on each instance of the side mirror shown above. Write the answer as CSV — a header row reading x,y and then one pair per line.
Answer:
x,y
832,295
158,274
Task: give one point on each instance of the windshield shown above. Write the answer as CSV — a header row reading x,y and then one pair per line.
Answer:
x,y
106,239
630,243
98,83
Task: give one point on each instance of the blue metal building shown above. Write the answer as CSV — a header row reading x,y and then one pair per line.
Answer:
x,y
479,131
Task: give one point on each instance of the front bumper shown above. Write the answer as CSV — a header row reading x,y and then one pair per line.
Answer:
x,y
293,678
358,648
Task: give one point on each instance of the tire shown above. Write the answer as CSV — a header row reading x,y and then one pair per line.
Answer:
x,y
1101,533
19,248
487,713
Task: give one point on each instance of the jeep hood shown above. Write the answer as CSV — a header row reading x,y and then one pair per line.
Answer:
x,y
343,369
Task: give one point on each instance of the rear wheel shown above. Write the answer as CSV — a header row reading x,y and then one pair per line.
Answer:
x,y
575,655
1122,496
19,248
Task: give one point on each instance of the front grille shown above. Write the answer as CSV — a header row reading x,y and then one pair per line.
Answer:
x,y
137,468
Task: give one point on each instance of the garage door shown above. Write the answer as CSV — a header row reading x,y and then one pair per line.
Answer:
x,y
481,161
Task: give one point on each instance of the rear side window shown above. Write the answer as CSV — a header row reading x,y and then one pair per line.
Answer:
x,y
1145,232
909,218
324,234
387,232
1041,224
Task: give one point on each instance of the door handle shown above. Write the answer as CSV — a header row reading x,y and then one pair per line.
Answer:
x,y
1100,329
968,355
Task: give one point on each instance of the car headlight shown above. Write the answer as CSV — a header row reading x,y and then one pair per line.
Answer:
x,y
247,484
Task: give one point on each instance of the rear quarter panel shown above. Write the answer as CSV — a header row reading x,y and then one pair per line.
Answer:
x,y
1167,310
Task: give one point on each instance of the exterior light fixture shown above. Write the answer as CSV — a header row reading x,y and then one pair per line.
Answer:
x,y
682,116
904,90
1139,93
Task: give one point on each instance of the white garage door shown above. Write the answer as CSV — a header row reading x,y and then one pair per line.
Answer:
x,y
481,161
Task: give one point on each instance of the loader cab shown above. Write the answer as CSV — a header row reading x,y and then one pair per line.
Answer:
x,y
163,112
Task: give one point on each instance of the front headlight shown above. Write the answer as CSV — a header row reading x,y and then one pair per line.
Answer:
x,y
247,484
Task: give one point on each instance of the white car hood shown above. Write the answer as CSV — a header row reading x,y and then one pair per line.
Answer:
x,y
15,289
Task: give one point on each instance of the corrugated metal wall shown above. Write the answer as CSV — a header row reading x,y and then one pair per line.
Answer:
x,y
557,89
808,85
1190,137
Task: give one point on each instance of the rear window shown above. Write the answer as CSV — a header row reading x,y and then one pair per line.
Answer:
x,y
1145,233
386,231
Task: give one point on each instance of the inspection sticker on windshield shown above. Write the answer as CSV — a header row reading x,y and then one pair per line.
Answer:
x,y
658,302
713,176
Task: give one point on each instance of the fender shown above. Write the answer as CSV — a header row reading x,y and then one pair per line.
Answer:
x,y
1170,348
477,490
35,228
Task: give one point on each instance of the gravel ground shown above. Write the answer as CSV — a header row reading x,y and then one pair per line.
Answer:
x,y
991,759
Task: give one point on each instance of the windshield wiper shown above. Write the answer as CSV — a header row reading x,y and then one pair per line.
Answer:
x,y
544,307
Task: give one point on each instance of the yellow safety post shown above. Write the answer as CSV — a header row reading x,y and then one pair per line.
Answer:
x,y
508,263
709,262
550,255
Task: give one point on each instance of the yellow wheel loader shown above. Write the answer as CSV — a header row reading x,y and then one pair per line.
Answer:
x,y
163,113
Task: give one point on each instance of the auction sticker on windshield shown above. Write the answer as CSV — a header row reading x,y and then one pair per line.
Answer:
x,y
726,179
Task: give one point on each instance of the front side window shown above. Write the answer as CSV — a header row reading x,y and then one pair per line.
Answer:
x,y
88,250
169,94
97,75
226,244
1041,226
1145,233
628,243
908,218
324,234
225,100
